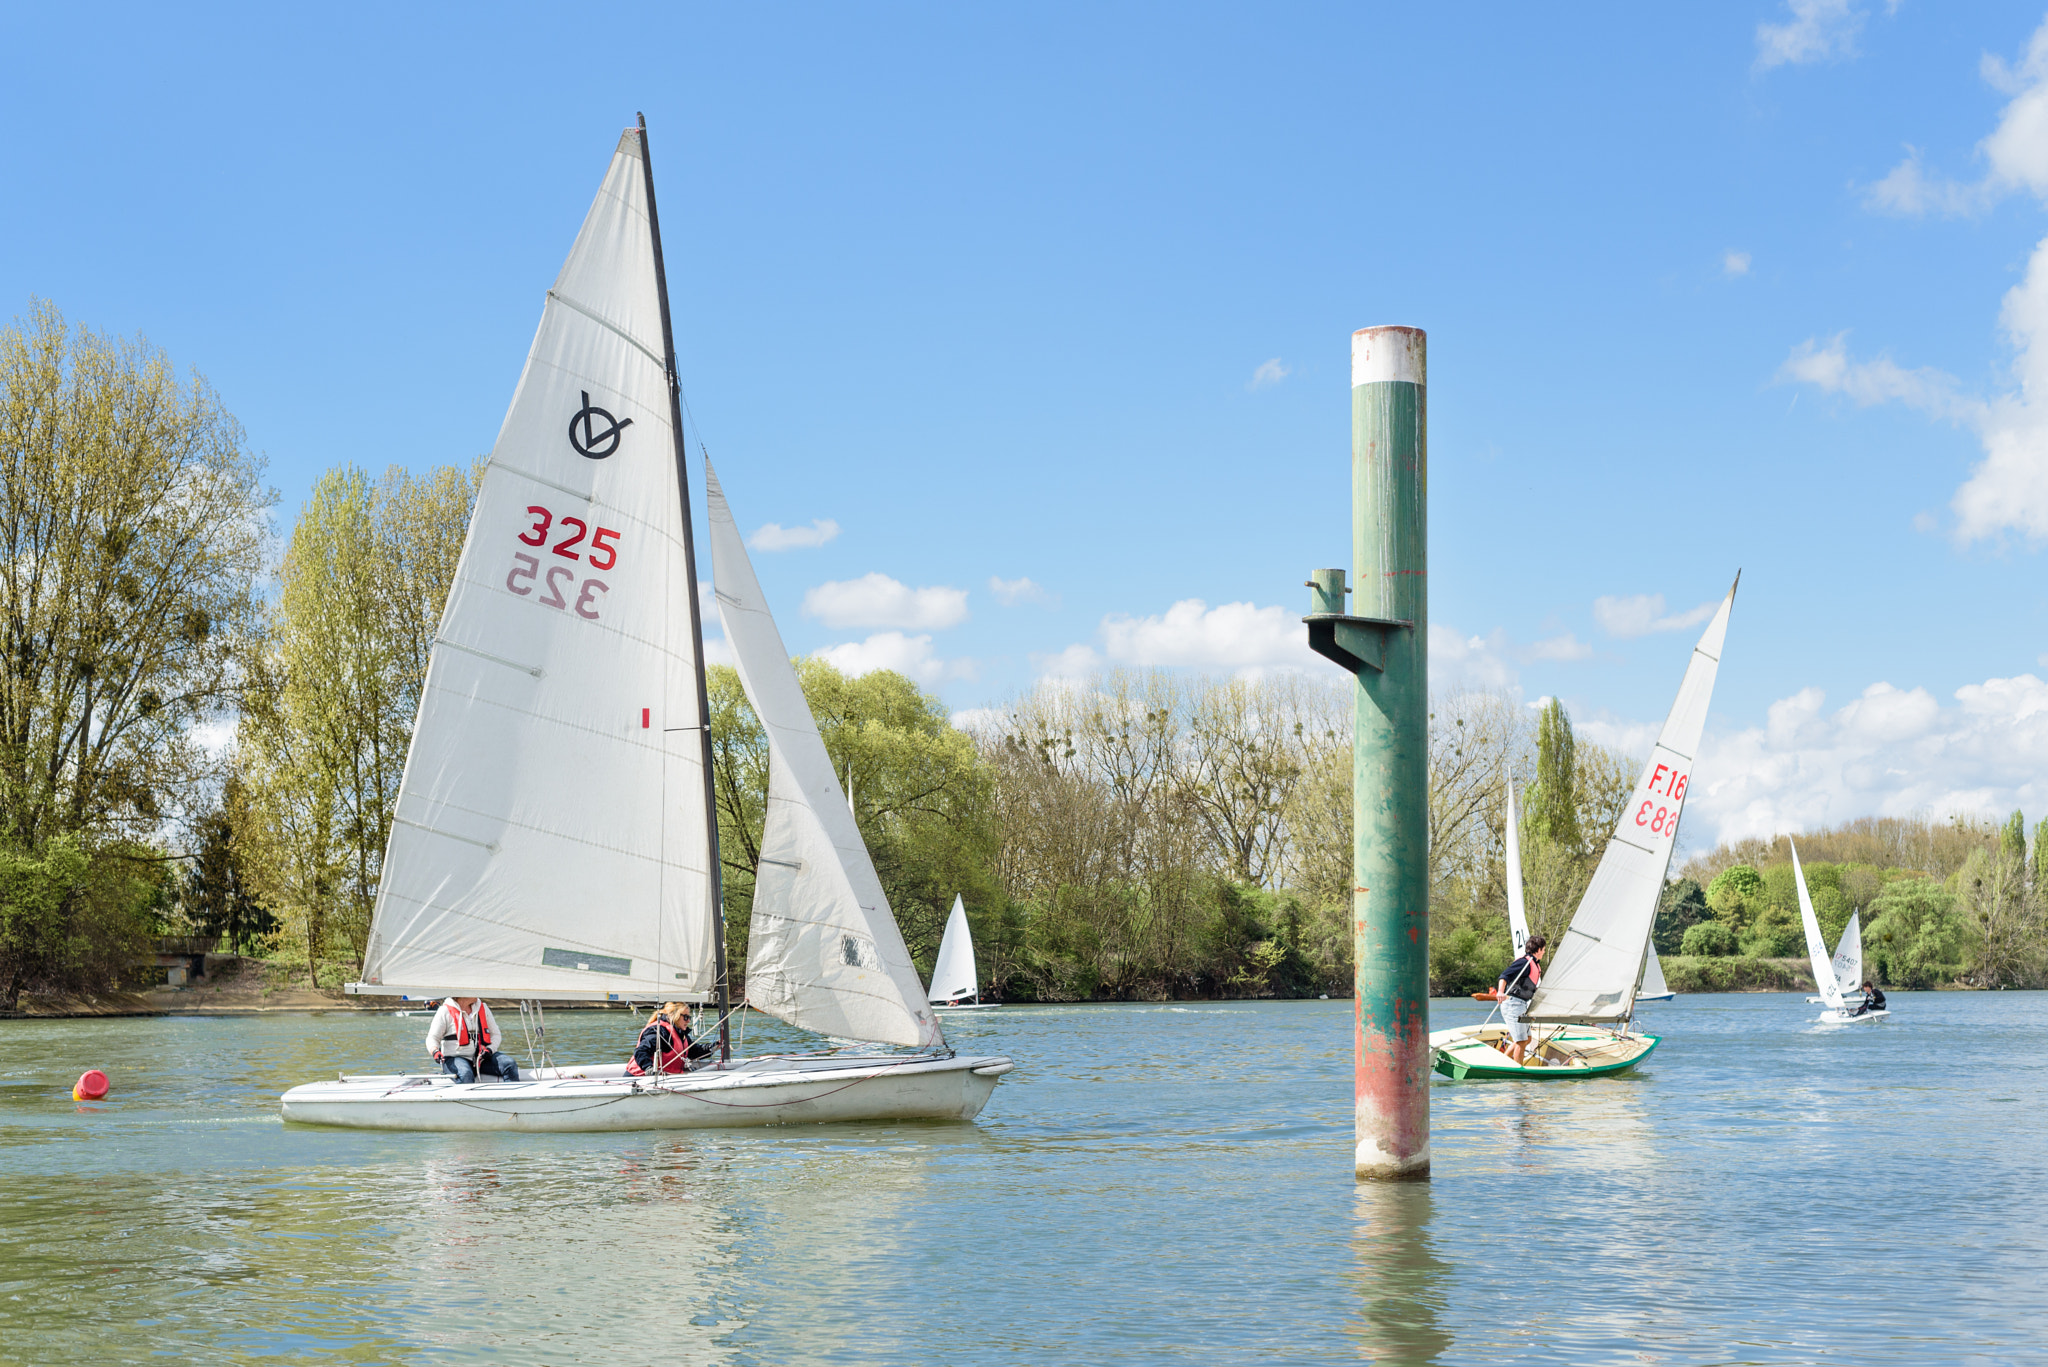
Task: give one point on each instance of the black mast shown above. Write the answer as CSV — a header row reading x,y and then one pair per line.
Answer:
x,y
675,419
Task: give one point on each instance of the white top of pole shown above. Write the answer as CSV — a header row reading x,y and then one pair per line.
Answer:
x,y
1387,353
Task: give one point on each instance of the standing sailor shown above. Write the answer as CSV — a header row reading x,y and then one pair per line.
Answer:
x,y
463,1038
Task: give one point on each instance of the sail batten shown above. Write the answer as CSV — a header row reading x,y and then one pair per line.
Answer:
x,y
560,718
1595,974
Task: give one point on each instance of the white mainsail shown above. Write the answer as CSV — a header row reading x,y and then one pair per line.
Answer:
x,y
824,951
1816,947
1848,960
954,974
1518,913
1594,969
550,837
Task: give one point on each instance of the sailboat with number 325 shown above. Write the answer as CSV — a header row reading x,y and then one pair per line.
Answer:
x,y
555,835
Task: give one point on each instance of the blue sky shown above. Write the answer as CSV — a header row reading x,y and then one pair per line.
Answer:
x,y
1063,294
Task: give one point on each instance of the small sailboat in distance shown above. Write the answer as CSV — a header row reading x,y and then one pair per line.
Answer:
x,y
1848,961
1518,912
956,980
1653,988
1824,969
1587,993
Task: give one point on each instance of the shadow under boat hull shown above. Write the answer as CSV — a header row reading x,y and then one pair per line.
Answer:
x,y
751,1092
1570,1051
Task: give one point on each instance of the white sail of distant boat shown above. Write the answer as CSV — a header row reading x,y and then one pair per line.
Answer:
x,y
1599,960
1589,988
1848,961
555,837
955,976
824,951
1653,988
1816,947
1518,913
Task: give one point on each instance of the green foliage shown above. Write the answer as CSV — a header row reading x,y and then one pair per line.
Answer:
x,y
2040,875
331,702
1553,798
2003,920
1467,959
2012,838
1736,896
1681,906
1703,940
1774,933
216,898
920,795
74,919
1914,938
1731,973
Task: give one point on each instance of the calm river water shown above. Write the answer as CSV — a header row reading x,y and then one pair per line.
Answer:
x,y
1155,1184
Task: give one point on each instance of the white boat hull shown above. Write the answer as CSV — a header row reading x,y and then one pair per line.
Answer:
x,y
965,1006
1850,1017
751,1092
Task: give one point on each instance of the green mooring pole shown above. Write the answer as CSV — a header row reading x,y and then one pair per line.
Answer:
x,y
1386,646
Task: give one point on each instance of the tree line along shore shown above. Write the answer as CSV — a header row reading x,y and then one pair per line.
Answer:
x,y
203,726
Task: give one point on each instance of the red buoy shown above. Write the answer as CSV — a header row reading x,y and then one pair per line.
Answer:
x,y
92,1085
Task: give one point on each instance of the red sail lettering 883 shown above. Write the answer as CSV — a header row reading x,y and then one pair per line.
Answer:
x,y
1661,818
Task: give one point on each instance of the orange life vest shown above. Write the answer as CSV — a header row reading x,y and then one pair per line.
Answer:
x,y
461,1037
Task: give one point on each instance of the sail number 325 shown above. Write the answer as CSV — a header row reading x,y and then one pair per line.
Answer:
x,y
559,585
1657,817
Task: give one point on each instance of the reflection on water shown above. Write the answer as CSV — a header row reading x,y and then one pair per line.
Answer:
x,y
1154,1185
1401,1296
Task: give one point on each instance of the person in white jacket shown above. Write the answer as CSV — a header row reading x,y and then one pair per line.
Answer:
x,y
463,1038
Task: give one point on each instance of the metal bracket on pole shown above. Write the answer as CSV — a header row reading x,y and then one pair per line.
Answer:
x,y
1356,643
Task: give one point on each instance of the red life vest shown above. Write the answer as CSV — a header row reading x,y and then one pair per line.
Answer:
x,y
671,1053
483,1031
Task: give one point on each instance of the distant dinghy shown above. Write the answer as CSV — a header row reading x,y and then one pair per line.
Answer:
x,y
1826,971
1588,992
1518,911
956,981
555,837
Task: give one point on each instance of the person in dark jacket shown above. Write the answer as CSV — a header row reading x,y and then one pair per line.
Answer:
x,y
665,1044
1873,999
1517,985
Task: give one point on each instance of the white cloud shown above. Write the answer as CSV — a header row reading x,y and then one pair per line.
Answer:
x,y
1909,190
1270,373
776,537
1565,647
1818,29
1230,635
1889,752
1457,660
876,600
1642,613
1011,592
1075,663
215,737
1829,369
978,719
911,655
2008,490
1734,263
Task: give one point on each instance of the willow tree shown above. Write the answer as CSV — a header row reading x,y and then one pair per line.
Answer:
x,y
335,694
133,524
